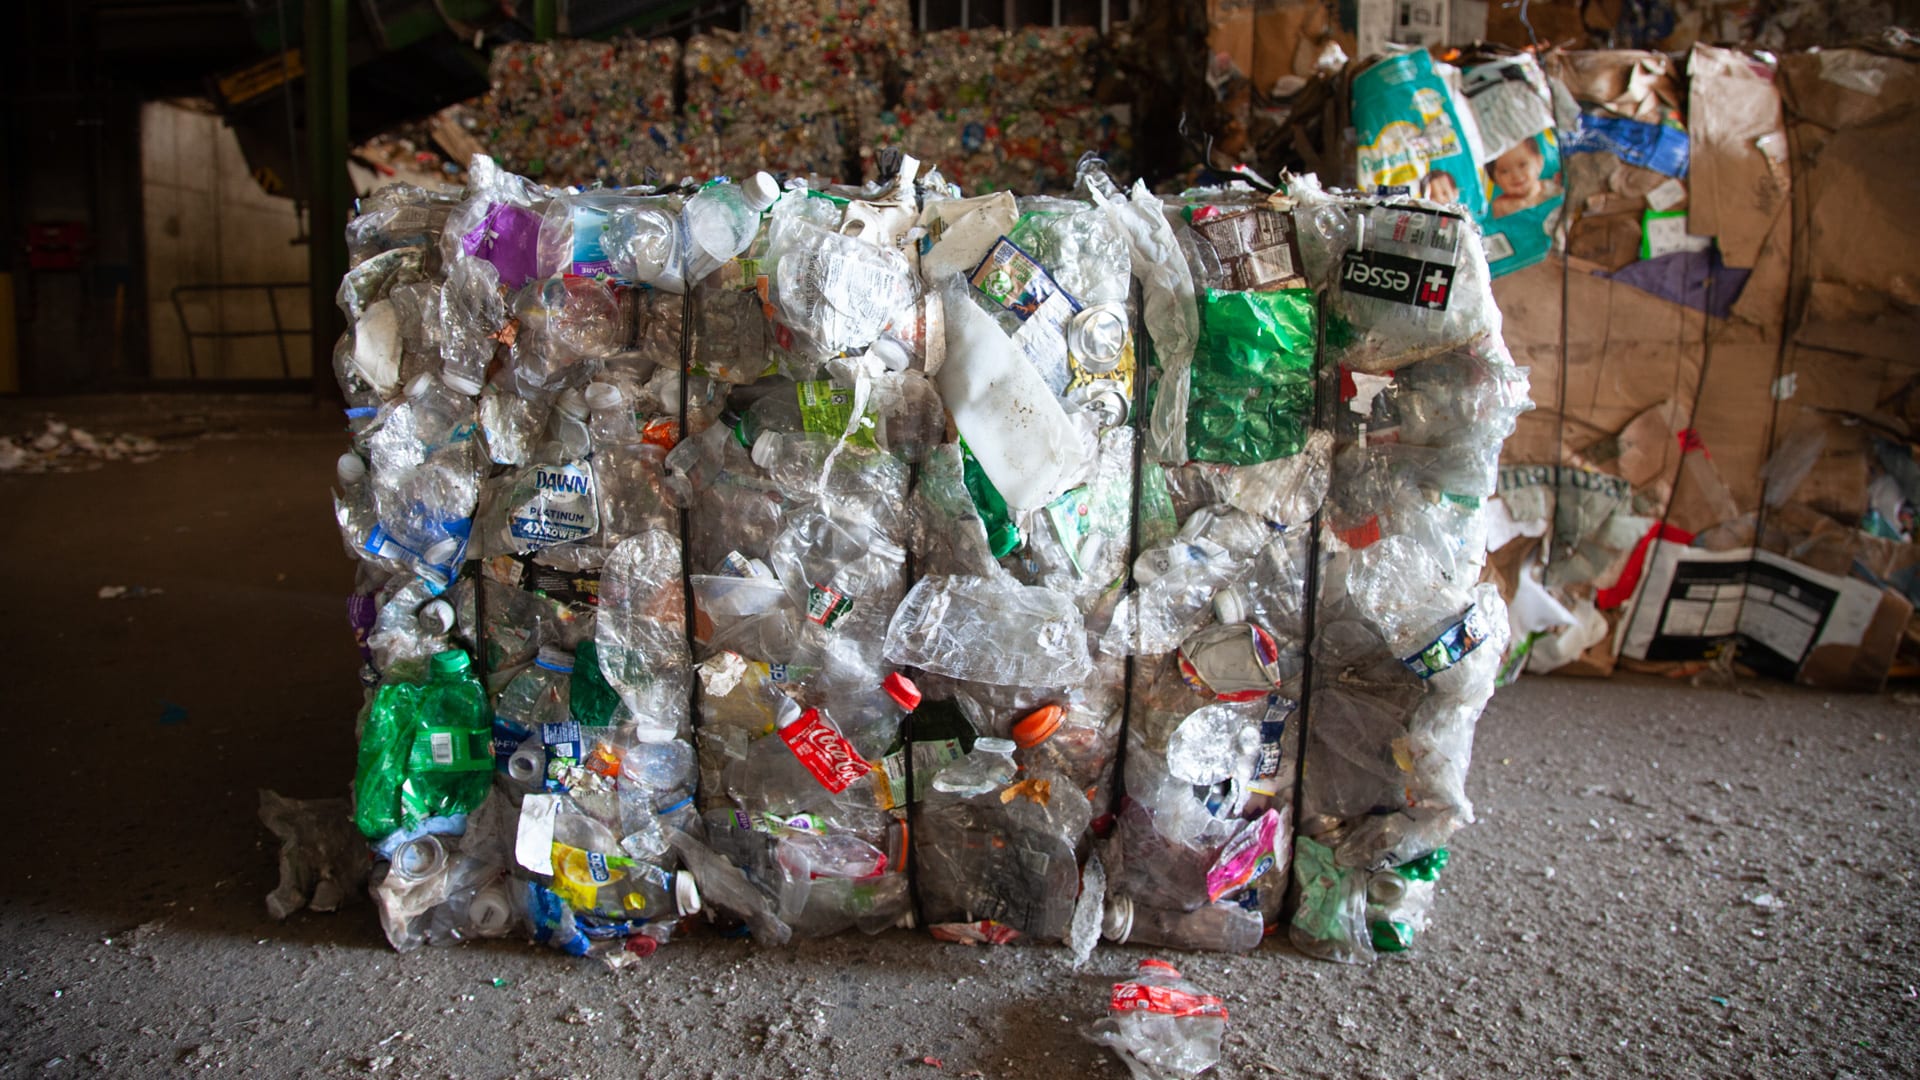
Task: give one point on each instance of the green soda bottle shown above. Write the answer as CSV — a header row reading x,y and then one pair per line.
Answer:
x,y
427,750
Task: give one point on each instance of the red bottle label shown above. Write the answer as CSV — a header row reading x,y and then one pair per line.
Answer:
x,y
1139,997
827,755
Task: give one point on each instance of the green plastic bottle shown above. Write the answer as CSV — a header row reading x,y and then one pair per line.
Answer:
x,y
1002,534
426,751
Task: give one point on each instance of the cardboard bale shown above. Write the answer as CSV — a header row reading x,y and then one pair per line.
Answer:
x,y
1731,425
1626,351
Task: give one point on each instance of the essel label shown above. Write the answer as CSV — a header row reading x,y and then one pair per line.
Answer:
x,y
1414,282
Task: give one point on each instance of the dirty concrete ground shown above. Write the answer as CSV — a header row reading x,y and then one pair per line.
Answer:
x,y
1665,881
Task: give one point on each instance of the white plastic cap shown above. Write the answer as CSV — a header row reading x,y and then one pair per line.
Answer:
x,y
350,469
602,397
761,191
573,403
490,912
666,385
443,552
461,384
686,893
990,745
766,450
891,353
436,617
421,384
1117,922
1229,606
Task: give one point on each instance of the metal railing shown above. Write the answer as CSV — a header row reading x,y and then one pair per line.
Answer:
x,y
279,333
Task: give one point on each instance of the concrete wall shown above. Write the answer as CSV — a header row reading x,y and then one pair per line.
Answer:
x,y
208,223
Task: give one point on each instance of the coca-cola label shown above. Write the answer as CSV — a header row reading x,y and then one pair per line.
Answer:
x,y
827,755
1140,997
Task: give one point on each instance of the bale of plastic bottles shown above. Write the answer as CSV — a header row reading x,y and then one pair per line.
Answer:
x,y
805,559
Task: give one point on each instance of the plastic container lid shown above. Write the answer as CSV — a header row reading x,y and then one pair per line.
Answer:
x,y
1037,726
902,691
761,191
461,384
350,469
451,662
686,893
1117,922
436,617
989,745
421,384
604,396
766,450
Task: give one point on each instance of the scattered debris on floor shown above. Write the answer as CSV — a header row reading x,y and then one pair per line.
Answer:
x,y
65,448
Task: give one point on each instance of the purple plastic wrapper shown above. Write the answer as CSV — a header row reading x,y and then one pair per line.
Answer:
x,y
509,239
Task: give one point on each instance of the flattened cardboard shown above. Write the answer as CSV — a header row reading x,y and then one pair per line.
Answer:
x,y
1790,620
1731,423
1738,153
1625,82
1627,351
1842,88
1858,191
1609,240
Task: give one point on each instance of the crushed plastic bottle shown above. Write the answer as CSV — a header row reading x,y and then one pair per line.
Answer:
x,y
1161,1026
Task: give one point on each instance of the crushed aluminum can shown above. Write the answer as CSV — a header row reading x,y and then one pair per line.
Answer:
x,y
1231,662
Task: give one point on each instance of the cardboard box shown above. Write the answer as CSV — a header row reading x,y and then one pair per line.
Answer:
x,y
1785,618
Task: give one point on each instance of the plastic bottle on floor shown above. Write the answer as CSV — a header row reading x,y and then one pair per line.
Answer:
x,y
1162,1026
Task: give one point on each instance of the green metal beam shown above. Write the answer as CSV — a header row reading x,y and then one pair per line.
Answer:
x,y
546,19
329,193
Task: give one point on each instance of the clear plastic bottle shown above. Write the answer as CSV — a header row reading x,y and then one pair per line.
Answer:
x,y
987,767
540,694
353,506
643,245
721,220
1161,1025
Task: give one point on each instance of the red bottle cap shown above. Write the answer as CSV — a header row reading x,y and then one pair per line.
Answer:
x,y
901,689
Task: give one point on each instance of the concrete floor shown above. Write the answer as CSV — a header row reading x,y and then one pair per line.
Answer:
x,y
1605,918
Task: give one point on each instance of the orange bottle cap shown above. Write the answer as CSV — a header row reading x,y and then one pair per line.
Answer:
x,y
1038,726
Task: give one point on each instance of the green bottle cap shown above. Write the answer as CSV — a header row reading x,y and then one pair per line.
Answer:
x,y
1391,937
1004,539
451,662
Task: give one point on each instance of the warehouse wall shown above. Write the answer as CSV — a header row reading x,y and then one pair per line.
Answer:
x,y
209,223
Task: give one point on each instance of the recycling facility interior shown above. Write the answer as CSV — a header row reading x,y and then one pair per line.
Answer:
x,y
1724,393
